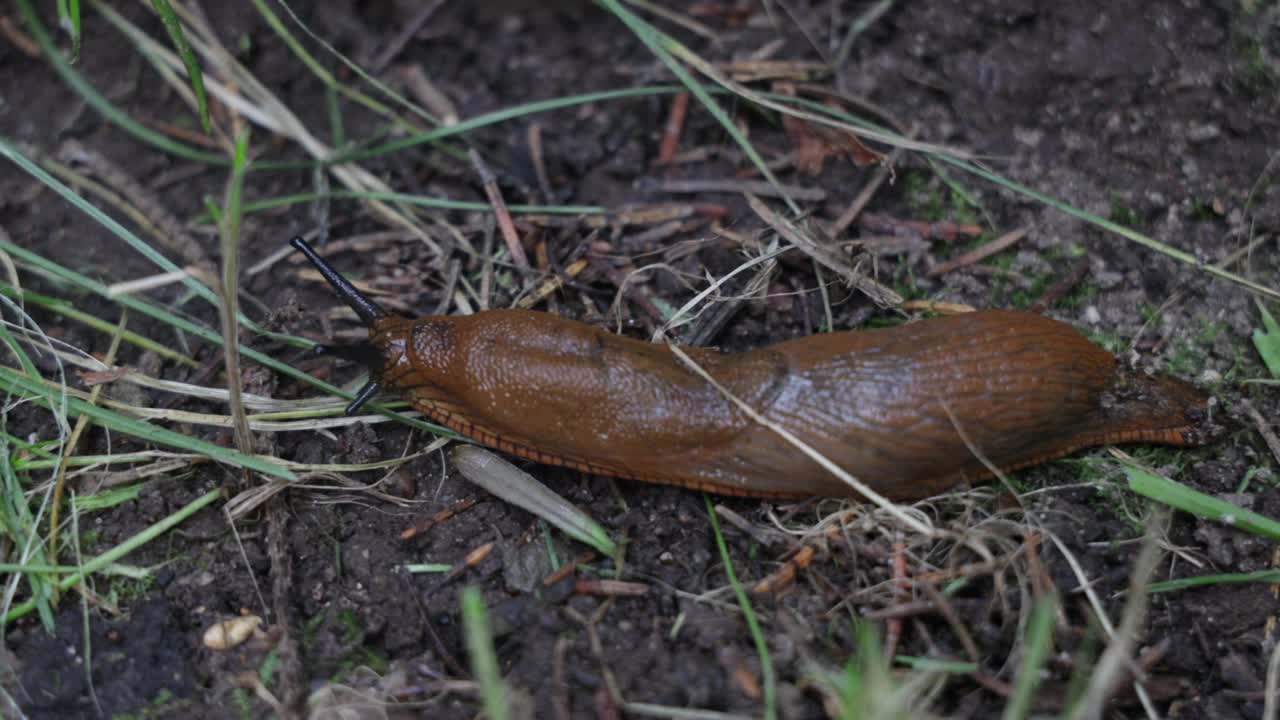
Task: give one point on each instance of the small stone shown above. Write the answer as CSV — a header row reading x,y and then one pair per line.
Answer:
x,y
1203,133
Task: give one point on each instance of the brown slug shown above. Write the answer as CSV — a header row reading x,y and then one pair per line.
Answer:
x,y
883,404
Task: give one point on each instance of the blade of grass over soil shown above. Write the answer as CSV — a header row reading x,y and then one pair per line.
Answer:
x,y
519,488
663,46
493,118
98,102
8,150
407,199
1262,576
65,308
59,272
69,20
328,78
14,382
997,179
1035,649
1268,342
484,661
109,557
229,233
179,39
1175,494
753,625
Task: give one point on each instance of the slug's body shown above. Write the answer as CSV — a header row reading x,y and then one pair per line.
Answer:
x,y
886,405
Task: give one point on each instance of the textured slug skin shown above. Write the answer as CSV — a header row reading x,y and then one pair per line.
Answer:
x,y
882,404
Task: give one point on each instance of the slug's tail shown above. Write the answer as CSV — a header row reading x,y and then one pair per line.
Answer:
x,y
369,311
1162,409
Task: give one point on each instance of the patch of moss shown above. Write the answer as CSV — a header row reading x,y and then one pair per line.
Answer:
x,y
1113,342
164,704
346,624
1121,213
933,200
1260,73
123,590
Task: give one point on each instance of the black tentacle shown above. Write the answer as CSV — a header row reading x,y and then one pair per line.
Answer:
x,y
367,309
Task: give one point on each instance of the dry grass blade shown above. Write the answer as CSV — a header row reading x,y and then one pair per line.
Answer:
x,y
1000,244
736,88
1116,660
258,104
828,258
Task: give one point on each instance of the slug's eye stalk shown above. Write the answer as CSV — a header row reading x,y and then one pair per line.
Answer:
x,y
367,309
369,312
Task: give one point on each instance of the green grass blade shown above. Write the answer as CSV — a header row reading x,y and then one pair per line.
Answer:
x,y
495,117
1035,649
327,77
1262,576
667,48
928,664
14,382
1059,205
422,200
753,625
149,309
138,244
116,553
105,107
1180,496
21,530
183,48
62,307
228,309
69,20
484,661
1268,342
106,498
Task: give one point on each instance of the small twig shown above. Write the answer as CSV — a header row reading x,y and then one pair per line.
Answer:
x,y
500,211
1264,428
780,579
741,187
639,295
882,173
428,95
1060,289
167,229
609,588
825,256
19,39
764,536
290,670
539,161
943,606
560,679
893,626
552,284
425,524
671,132
945,231
568,568
978,254
900,610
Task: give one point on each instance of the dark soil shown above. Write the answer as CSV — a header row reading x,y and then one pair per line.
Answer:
x,y
1161,116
